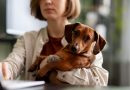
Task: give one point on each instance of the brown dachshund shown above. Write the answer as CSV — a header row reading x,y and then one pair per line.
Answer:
x,y
83,44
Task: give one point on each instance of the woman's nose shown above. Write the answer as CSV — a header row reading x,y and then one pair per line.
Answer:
x,y
48,1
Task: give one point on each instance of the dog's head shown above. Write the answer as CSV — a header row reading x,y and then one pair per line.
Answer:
x,y
80,38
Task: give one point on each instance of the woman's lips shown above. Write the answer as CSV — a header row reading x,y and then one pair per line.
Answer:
x,y
49,9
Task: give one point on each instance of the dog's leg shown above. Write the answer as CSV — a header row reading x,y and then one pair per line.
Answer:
x,y
43,71
51,63
53,58
36,64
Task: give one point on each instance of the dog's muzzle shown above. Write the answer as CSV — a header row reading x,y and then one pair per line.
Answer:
x,y
74,48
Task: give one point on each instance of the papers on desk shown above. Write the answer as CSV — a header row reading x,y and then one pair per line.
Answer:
x,y
17,84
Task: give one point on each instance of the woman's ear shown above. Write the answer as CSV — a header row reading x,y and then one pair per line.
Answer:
x,y
68,31
100,43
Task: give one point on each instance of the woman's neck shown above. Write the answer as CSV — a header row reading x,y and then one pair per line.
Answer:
x,y
56,28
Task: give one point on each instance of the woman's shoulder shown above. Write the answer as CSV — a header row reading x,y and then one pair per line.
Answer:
x,y
34,33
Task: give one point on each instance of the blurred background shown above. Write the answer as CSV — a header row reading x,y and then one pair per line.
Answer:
x,y
111,18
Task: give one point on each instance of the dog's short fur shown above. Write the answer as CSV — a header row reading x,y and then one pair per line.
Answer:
x,y
83,44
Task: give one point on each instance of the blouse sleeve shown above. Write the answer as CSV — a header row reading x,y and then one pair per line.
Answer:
x,y
96,75
14,63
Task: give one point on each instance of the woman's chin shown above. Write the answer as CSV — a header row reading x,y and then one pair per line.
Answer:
x,y
52,18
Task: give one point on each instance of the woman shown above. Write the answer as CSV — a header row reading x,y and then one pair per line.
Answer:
x,y
49,40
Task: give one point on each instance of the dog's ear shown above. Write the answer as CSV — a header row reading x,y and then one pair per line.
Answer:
x,y
100,43
68,31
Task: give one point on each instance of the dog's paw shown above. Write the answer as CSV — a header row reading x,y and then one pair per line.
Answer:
x,y
32,68
40,73
53,58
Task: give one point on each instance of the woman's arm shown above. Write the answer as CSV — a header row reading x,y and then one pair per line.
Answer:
x,y
14,63
96,75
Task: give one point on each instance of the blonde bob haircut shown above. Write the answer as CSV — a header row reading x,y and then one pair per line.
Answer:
x,y
72,9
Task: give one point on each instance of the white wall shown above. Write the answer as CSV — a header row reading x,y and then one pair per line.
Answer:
x,y
125,44
19,19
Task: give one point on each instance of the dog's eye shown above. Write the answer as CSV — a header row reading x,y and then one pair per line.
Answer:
x,y
86,38
76,33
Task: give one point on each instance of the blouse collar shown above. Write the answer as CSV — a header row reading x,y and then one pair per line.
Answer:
x,y
45,37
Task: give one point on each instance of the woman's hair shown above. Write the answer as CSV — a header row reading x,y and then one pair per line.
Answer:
x,y
72,9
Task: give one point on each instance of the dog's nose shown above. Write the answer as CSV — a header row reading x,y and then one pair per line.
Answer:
x,y
74,48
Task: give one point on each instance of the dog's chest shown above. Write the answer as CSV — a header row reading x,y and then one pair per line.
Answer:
x,y
78,61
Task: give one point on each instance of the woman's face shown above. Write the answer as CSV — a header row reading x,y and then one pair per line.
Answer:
x,y
52,9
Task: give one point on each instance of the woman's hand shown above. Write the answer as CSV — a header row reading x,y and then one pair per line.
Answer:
x,y
4,75
1,75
